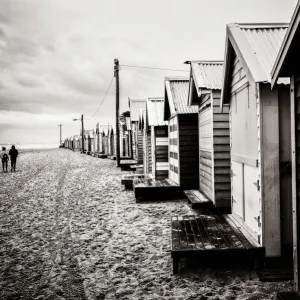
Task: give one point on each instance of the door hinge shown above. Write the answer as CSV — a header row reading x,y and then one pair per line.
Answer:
x,y
231,173
257,219
233,199
257,184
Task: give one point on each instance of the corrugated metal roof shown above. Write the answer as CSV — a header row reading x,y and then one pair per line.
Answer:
x,y
177,94
135,105
155,112
265,42
207,74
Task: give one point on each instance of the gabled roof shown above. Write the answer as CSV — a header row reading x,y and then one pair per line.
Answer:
x,y
176,97
155,112
288,56
257,46
88,133
134,106
205,76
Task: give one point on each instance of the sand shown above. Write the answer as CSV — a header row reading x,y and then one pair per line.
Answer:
x,y
69,230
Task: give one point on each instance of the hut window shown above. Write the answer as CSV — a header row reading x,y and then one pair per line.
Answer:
x,y
171,154
175,155
176,170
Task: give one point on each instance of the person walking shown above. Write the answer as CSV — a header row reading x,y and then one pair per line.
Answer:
x,y
4,158
13,153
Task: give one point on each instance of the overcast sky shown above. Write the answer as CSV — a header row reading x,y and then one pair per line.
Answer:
x,y
56,56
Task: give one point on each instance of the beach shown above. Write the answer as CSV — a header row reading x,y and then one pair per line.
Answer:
x,y
69,230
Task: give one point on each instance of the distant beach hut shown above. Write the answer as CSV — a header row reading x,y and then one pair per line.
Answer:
x,y
214,144
137,138
158,138
183,133
129,136
145,130
111,141
76,142
260,135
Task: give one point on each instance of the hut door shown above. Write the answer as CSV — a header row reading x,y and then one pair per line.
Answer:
x,y
173,150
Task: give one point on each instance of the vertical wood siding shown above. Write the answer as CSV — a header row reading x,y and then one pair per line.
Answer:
x,y
134,141
188,151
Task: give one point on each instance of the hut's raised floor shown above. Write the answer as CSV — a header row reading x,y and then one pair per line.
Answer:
x,y
126,163
198,199
127,180
288,296
212,241
156,189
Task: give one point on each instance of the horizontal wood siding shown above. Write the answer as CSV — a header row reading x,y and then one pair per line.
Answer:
x,y
140,143
188,151
149,156
161,152
205,146
221,155
134,141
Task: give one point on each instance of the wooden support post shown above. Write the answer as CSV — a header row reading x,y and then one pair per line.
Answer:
x,y
295,202
117,111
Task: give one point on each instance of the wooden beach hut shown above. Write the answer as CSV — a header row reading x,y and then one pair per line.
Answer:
x,y
183,133
111,141
129,131
146,133
260,134
287,64
88,139
214,146
137,138
158,138
77,143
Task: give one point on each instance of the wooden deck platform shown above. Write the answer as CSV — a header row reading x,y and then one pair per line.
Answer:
x,y
156,189
127,180
125,157
212,241
197,199
126,163
288,296
136,167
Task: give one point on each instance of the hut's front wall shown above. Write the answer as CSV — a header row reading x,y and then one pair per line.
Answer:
x,y
188,151
245,145
174,150
140,146
159,149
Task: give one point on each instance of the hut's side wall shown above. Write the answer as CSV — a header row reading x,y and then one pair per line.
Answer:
x,y
160,150
221,154
205,147
140,144
134,142
188,151
149,156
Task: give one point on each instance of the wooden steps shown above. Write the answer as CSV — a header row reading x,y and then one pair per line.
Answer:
x,y
197,199
127,180
126,163
211,241
156,189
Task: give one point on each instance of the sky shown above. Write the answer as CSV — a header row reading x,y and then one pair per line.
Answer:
x,y
57,56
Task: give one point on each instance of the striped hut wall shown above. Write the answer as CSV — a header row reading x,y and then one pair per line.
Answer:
x,y
221,153
149,146
161,152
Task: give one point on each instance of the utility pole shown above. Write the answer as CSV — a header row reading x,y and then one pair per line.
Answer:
x,y
60,133
82,134
117,68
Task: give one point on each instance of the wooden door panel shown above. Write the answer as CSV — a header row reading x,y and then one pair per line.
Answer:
x,y
237,189
252,204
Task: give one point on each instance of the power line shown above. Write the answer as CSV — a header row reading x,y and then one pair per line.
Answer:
x,y
102,100
153,68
